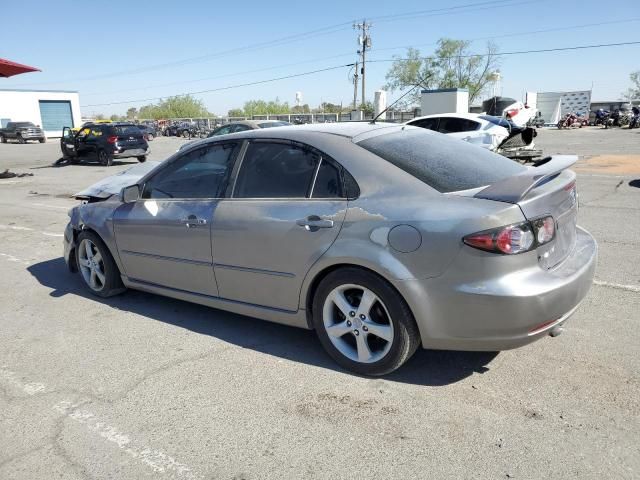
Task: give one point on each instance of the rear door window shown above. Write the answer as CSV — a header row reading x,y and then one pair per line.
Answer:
x,y
444,163
276,170
428,123
455,125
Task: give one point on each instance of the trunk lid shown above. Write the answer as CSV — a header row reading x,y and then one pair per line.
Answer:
x,y
542,190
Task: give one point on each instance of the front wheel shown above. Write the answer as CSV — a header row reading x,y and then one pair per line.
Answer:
x,y
142,158
42,140
363,323
97,267
150,136
20,139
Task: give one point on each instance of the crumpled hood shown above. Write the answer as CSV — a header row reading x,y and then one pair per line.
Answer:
x,y
113,184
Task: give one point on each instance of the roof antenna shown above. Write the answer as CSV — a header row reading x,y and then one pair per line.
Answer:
x,y
417,85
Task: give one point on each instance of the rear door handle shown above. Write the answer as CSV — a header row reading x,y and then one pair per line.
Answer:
x,y
313,223
192,221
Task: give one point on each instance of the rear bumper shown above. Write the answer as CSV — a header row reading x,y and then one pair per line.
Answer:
x,y
501,312
132,152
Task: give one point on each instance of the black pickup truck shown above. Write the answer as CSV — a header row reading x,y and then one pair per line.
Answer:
x,y
22,131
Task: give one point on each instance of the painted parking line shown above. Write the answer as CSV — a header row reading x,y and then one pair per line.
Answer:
x,y
10,258
46,205
158,461
27,229
618,286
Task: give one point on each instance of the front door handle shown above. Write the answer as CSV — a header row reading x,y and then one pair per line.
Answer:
x,y
192,221
313,223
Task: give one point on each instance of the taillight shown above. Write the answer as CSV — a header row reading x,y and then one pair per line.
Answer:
x,y
513,239
112,139
545,229
513,112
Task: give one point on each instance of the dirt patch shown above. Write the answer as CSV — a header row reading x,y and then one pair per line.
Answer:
x,y
610,164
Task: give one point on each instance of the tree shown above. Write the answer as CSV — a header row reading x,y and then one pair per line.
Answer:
x,y
452,65
182,106
236,112
99,116
633,93
115,118
132,113
327,107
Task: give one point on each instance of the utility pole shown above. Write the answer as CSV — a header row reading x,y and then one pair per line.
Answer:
x,y
364,40
355,87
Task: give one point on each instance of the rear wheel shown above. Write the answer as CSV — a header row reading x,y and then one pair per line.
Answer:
x,y
142,158
150,136
363,323
97,267
185,133
105,158
3,139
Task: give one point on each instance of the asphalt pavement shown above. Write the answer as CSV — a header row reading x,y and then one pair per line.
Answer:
x,y
140,386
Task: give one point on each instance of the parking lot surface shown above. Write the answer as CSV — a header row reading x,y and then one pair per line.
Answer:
x,y
141,386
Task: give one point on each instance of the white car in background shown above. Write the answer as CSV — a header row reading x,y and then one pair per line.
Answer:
x,y
493,133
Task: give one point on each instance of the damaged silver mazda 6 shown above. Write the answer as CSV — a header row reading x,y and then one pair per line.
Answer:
x,y
381,238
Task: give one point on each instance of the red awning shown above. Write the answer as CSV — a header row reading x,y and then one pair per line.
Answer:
x,y
9,69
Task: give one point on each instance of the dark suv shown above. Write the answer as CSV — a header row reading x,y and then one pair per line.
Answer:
x,y
104,142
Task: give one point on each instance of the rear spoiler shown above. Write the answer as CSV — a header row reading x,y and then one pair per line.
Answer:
x,y
513,189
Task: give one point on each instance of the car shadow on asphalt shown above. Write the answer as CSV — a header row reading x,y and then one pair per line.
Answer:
x,y
426,367
635,183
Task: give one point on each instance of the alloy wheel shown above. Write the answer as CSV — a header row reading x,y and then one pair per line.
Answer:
x,y
91,265
357,323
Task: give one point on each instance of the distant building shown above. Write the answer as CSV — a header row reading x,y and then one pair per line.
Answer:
x,y
51,109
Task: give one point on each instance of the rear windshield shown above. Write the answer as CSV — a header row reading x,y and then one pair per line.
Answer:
x,y
444,163
127,130
273,124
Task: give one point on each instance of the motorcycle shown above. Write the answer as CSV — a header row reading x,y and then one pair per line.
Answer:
x,y
602,117
635,119
571,120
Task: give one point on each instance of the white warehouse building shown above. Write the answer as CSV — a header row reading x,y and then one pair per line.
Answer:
x,y
51,109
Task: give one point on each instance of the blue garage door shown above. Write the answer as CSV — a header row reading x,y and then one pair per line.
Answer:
x,y
55,115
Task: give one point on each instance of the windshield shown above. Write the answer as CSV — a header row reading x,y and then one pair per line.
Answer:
x,y
24,124
446,164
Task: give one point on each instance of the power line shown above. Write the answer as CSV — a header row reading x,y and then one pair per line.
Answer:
x,y
288,39
228,87
518,34
520,52
311,72
277,67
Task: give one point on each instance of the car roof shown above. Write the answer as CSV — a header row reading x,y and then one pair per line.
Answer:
x,y
468,116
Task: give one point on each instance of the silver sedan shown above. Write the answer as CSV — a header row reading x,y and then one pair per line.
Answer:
x,y
381,238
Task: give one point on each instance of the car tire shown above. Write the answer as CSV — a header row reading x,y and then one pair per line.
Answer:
x,y
150,136
373,341
142,158
185,134
43,140
3,139
105,158
97,267
20,139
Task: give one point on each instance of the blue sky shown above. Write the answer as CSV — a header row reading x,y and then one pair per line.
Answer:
x,y
180,47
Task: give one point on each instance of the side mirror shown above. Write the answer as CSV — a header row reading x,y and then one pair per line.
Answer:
x,y
130,194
